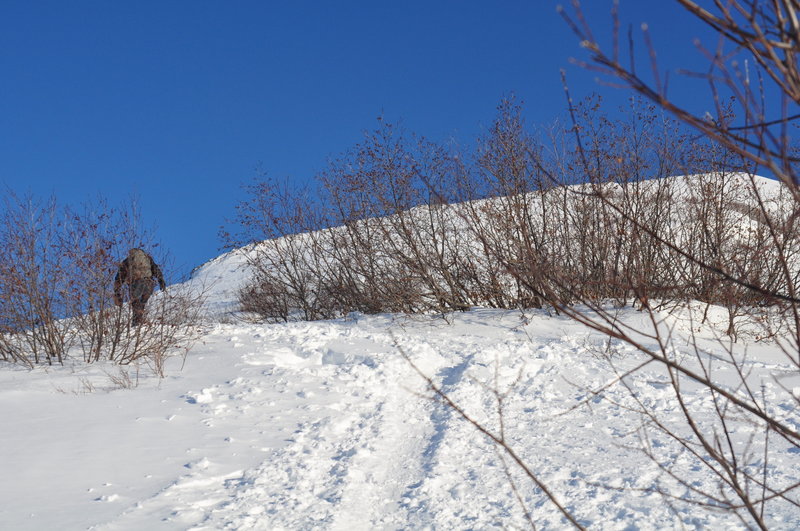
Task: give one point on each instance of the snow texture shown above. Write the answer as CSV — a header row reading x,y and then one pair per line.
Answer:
x,y
328,425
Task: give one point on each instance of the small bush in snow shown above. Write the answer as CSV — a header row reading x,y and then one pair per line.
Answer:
x,y
57,267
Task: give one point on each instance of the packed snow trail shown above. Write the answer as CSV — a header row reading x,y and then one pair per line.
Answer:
x,y
326,425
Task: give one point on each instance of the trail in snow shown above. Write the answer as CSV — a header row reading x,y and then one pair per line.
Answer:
x,y
325,425
344,437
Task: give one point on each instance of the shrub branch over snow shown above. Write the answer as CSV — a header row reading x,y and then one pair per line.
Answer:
x,y
756,282
402,225
586,223
57,268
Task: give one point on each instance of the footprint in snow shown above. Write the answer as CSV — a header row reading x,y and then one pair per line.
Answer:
x,y
203,397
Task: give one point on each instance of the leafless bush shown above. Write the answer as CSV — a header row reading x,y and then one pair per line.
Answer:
x,y
400,224
123,379
384,241
57,267
173,323
33,294
274,223
735,247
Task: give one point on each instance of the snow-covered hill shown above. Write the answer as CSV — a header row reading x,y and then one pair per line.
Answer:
x,y
327,425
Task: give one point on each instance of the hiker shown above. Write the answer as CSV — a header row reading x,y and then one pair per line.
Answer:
x,y
138,271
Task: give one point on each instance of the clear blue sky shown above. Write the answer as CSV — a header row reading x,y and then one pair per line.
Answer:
x,y
179,102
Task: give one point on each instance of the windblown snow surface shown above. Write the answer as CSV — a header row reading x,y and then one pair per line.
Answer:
x,y
329,425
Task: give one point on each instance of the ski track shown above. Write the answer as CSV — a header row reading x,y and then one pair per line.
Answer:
x,y
329,429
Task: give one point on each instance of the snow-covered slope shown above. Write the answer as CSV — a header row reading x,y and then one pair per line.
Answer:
x,y
327,425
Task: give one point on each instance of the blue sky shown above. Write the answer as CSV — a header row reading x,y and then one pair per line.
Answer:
x,y
181,102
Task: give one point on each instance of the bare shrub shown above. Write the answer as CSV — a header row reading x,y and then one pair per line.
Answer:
x,y
272,224
386,235
173,323
33,295
57,267
123,379
735,247
382,242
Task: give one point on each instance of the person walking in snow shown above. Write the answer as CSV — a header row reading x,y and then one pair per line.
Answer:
x,y
139,271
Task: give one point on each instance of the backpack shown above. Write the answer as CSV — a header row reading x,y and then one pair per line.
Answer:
x,y
139,265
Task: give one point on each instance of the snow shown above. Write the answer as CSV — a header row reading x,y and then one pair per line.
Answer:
x,y
328,425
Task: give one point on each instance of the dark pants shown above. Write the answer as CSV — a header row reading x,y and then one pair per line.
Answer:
x,y
140,291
